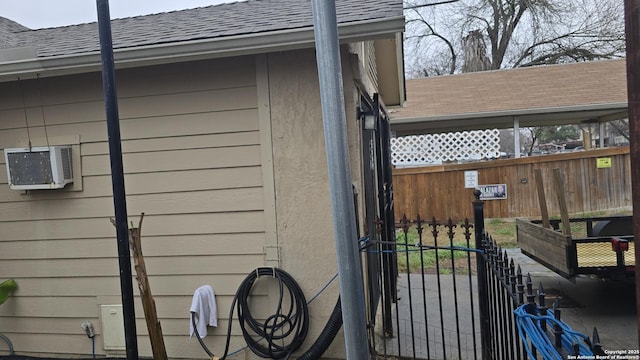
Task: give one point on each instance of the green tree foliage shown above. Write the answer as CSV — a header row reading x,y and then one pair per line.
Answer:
x,y
533,137
557,134
6,287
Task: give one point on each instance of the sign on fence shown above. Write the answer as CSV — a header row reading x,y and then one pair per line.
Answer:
x,y
471,179
493,191
603,163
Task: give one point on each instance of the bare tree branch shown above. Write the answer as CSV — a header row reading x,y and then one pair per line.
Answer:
x,y
410,7
517,32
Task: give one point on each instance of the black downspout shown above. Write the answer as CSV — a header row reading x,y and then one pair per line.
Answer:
x,y
117,177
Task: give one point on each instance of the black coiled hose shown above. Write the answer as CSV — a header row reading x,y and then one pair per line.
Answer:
x,y
285,330
326,336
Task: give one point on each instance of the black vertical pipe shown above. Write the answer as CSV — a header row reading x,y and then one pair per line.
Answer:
x,y
434,226
490,273
405,231
483,294
520,292
451,234
501,316
467,235
117,177
632,31
420,229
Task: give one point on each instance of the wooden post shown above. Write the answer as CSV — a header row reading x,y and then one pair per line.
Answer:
x,y
148,304
562,201
542,199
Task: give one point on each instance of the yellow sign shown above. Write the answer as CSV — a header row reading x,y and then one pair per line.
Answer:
x,y
603,163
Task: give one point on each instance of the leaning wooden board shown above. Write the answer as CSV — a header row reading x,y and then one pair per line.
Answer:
x,y
547,246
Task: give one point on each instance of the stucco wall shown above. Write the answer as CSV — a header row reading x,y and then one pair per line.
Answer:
x,y
305,226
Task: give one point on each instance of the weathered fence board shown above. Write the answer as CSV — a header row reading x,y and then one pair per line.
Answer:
x,y
438,191
545,245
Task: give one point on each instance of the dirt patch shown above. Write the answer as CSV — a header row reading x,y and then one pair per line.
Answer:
x,y
458,266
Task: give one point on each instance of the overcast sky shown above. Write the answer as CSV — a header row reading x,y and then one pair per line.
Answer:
x,y
37,14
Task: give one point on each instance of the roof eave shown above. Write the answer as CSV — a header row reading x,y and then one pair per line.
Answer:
x,y
197,49
390,67
504,119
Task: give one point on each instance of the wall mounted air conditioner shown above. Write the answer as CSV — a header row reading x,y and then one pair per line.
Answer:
x,y
45,167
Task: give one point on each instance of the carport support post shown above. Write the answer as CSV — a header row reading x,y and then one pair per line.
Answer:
x,y
516,137
632,30
335,137
117,177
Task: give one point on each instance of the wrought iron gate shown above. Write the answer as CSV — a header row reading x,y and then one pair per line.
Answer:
x,y
381,264
437,289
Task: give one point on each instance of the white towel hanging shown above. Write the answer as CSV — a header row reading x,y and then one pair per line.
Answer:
x,y
204,307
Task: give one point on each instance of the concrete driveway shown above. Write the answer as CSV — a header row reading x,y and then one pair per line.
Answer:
x,y
608,305
428,327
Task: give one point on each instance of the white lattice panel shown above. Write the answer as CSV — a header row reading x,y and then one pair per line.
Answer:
x,y
438,148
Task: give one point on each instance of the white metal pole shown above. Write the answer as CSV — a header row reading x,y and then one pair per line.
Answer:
x,y
601,128
516,136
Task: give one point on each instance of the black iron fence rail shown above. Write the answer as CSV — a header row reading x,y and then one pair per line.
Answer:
x,y
511,301
452,308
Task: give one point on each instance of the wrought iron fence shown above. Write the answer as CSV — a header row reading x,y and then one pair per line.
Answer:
x,y
459,296
520,324
516,321
434,315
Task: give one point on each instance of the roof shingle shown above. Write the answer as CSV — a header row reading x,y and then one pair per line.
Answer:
x,y
541,87
239,18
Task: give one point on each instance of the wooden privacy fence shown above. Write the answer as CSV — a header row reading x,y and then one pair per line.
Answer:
x,y
593,180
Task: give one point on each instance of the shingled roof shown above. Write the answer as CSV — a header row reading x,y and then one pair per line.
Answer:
x,y
225,30
593,91
217,21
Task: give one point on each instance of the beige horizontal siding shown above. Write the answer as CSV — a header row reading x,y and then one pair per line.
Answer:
x,y
135,82
100,267
206,201
178,327
193,164
13,118
178,224
137,184
153,106
43,345
223,122
76,307
244,138
78,345
139,128
209,244
175,160
165,285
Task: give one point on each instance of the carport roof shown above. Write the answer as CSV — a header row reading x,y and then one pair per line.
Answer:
x,y
585,92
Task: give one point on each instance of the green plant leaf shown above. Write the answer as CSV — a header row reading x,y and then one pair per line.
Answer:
x,y
6,287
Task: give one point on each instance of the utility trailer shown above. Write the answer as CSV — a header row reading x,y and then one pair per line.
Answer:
x,y
607,250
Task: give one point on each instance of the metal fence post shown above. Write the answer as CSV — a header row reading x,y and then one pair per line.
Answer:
x,y
337,150
483,294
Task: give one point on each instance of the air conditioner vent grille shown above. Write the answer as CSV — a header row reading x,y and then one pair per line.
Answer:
x,y
30,168
67,161
45,167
